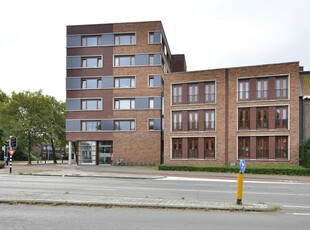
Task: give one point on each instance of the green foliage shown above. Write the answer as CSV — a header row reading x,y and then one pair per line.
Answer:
x,y
34,119
271,170
1,165
305,153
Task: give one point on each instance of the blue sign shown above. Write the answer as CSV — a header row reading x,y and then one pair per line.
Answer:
x,y
49,147
242,166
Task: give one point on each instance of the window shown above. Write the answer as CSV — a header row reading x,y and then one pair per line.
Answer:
x,y
281,87
177,121
124,125
151,81
125,39
193,120
262,89
151,124
210,92
281,117
210,147
177,97
91,62
124,60
91,40
92,83
91,104
87,152
193,93
124,103
281,147
262,118
244,89
91,125
151,59
244,147
151,37
124,82
262,145
151,103
244,118
210,120
193,147
177,148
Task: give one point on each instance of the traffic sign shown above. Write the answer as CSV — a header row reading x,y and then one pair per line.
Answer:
x,y
242,166
11,152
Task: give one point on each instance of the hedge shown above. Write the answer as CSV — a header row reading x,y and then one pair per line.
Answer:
x,y
270,170
1,165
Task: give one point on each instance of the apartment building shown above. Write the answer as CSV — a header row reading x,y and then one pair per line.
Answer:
x,y
114,88
220,116
130,100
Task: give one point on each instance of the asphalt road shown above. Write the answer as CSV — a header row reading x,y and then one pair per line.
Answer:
x,y
75,217
294,198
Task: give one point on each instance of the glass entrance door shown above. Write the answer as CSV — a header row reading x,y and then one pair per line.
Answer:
x,y
105,152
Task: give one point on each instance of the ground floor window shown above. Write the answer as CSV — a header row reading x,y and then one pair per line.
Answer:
x,y
262,150
95,152
281,147
244,147
87,152
209,147
177,148
202,148
193,147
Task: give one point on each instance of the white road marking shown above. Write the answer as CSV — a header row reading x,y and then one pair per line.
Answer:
x,y
301,214
229,180
296,206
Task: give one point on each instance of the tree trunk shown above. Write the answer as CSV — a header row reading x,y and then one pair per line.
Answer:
x,y
29,150
54,152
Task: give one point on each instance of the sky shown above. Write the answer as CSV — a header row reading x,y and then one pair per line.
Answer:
x,y
211,33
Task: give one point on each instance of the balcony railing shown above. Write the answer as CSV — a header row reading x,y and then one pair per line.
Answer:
x,y
244,124
209,153
210,97
262,153
209,125
262,124
177,126
193,125
193,98
262,94
193,153
281,153
177,153
281,123
177,100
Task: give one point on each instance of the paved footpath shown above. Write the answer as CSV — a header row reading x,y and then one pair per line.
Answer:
x,y
130,172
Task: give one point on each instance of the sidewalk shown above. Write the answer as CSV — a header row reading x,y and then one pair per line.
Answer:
x,y
130,172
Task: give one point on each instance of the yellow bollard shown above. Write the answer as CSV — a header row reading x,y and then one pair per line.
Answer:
x,y
240,188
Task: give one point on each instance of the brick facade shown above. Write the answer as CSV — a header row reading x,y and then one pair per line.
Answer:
x,y
214,117
227,108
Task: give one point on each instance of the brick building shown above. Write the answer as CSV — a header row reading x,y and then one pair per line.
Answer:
x,y
122,80
223,115
114,91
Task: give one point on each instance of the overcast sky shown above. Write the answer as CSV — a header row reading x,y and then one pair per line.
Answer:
x,y
211,34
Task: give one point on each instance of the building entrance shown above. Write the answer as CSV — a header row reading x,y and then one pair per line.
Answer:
x,y
105,152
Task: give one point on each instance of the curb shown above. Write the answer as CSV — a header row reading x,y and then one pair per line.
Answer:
x,y
203,207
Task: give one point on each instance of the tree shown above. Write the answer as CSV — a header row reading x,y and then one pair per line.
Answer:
x,y
34,119
305,153
55,125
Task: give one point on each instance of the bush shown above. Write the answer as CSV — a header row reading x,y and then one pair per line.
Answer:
x,y
305,153
271,170
1,165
